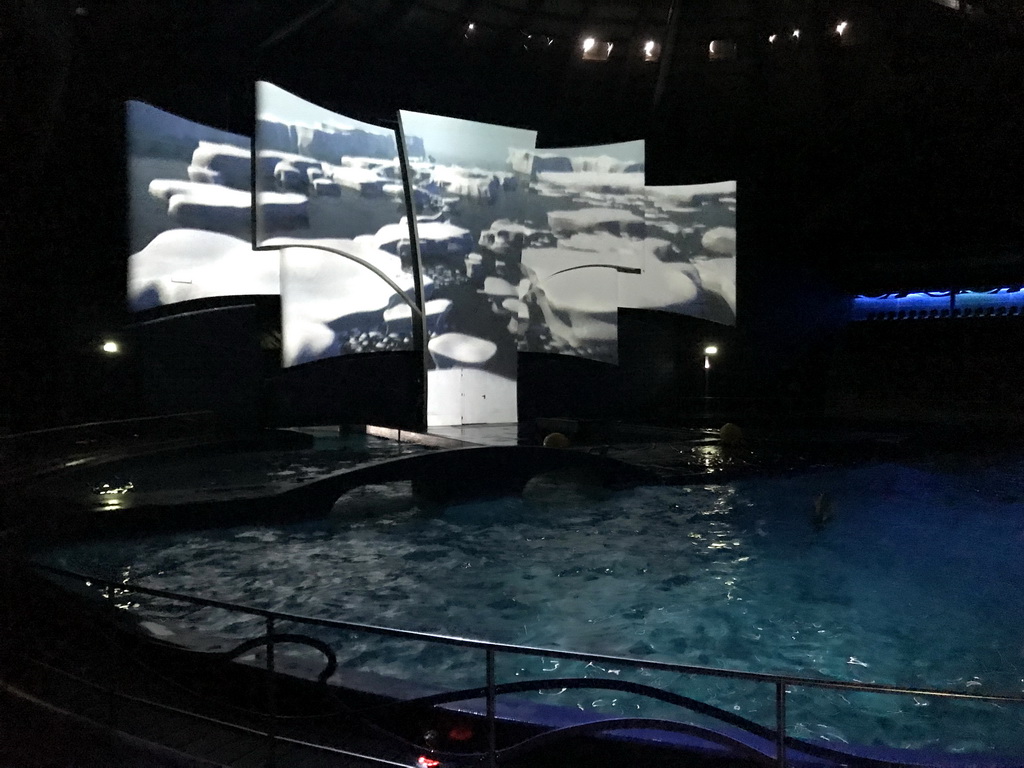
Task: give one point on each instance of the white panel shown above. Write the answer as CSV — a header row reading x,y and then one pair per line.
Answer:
x,y
470,200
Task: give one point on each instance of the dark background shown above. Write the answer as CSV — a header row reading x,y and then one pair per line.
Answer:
x,y
893,162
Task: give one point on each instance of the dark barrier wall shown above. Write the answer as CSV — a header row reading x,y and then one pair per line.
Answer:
x,y
941,368
774,362
205,360
226,359
659,376
384,389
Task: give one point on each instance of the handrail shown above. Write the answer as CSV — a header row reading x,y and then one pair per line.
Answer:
x,y
68,428
525,650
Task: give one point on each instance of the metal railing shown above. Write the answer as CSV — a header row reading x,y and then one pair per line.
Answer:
x,y
57,448
776,745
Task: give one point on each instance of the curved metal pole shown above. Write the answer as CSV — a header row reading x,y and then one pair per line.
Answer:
x,y
316,246
616,267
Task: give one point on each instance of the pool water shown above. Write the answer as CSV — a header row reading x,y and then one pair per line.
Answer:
x,y
163,479
915,581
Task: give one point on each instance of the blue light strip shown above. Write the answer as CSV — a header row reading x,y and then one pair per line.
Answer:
x,y
996,302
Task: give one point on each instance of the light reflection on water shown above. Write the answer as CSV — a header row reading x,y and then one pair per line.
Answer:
x,y
914,582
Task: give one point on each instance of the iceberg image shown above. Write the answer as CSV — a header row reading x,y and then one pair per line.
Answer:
x,y
324,291
331,181
189,213
184,264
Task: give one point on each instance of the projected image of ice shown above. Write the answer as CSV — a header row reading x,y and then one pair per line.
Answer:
x,y
470,208
586,214
690,253
189,204
335,183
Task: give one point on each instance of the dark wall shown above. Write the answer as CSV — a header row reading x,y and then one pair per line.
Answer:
x,y
659,376
383,388
894,163
205,360
963,367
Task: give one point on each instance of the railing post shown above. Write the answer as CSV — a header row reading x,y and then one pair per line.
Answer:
x,y
780,723
492,732
112,655
271,703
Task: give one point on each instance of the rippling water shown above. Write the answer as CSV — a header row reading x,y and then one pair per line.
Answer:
x,y
916,581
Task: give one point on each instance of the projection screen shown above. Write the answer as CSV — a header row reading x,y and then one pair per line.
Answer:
x,y
469,231
587,230
189,199
690,259
330,196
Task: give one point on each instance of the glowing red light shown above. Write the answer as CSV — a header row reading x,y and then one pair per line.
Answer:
x,y
427,762
460,733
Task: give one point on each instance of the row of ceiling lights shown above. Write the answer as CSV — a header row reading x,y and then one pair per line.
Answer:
x,y
594,49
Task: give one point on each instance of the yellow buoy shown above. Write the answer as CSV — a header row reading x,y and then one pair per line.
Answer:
x,y
556,440
730,434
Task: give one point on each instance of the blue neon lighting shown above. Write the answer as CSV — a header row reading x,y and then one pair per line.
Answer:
x,y
1008,300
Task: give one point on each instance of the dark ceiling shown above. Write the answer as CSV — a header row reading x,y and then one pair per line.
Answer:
x,y
888,158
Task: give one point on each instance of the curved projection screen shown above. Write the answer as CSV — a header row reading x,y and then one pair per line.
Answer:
x,y
326,180
586,217
470,206
690,259
189,201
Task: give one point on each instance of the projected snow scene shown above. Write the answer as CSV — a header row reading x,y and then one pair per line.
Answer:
x,y
470,210
335,183
189,214
586,215
690,254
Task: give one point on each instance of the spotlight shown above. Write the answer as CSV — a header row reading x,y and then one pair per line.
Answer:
x,y
711,350
470,27
649,48
110,347
841,27
796,33
772,37
596,50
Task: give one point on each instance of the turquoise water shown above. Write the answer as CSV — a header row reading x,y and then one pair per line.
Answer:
x,y
915,581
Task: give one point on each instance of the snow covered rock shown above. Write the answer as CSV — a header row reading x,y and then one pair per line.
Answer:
x,y
614,220
451,350
231,164
720,240
183,264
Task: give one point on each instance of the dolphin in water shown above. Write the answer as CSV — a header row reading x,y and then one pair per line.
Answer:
x,y
823,512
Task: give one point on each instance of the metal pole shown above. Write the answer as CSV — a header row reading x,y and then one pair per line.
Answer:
x,y
668,49
420,333
271,704
780,724
112,653
492,735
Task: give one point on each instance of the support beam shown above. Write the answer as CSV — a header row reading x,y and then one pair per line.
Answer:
x,y
668,49
298,23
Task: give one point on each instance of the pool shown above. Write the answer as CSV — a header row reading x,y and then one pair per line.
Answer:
x,y
213,472
915,581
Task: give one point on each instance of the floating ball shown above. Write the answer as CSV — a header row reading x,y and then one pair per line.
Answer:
x,y
730,434
556,440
